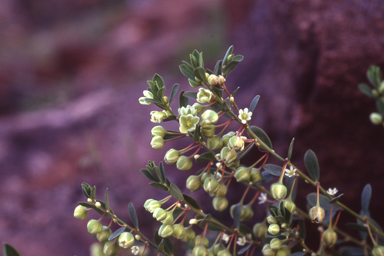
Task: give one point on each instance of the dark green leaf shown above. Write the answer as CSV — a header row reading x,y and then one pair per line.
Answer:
x,y
196,135
380,107
192,95
116,233
244,153
86,188
366,198
162,172
262,136
236,215
194,60
158,80
254,103
312,165
235,91
267,177
148,175
8,250
159,186
230,67
93,193
157,238
273,169
191,201
244,249
170,118
156,101
273,210
206,157
357,227
152,87
324,201
106,200
168,248
217,70
161,92
290,149
201,60
175,192
238,58
158,174
173,92
133,215
229,52
335,199
227,105
282,210
366,90
374,76
199,73
297,254
302,230
183,100
351,251
138,243
187,71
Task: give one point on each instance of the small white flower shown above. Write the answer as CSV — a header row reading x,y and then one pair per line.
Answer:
x,y
147,95
332,192
291,172
217,176
262,198
241,241
157,116
192,221
204,96
244,115
135,250
225,238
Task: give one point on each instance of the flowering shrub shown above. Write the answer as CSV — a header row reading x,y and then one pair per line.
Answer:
x,y
180,217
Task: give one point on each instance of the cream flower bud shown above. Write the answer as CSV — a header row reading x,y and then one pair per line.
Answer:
x,y
160,214
184,163
165,230
279,191
236,143
378,250
199,251
226,137
215,142
222,190
210,116
213,80
221,80
220,203
157,142
168,219
275,243
255,175
189,235
178,231
200,241
171,156
157,116
94,226
158,131
290,205
110,249
242,174
126,240
268,251
104,234
330,237
259,230
193,183
211,185
274,229
271,219
199,108
80,212
204,96
317,214
376,118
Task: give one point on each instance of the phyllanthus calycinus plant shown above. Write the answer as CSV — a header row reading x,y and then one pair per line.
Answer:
x,y
203,117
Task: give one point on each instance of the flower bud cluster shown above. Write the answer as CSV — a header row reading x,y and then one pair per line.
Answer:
x,y
275,248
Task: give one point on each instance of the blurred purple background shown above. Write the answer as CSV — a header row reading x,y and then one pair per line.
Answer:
x,y
71,73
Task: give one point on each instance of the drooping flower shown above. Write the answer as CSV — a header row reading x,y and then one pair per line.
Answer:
x,y
244,115
225,238
135,250
204,96
291,172
332,192
262,198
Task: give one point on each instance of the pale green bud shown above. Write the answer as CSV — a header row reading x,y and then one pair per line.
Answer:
x,y
179,231
126,240
215,142
211,185
228,155
256,175
147,202
246,212
205,176
80,212
378,250
330,237
110,249
242,174
275,243
160,214
222,190
96,249
274,229
213,80
168,219
220,203
193,183
94,227
279,191
189,235
158,131
137,237
224,253
291,206
259,230
376,118
153,205
184,163
171,156
157,142
226,137
210,115
199,108
165,99
375,93
236,143
165,230
317,214
268,251
221,80
199,241
199,251
207,129
217,248
104,235
271,219
381,87
284,251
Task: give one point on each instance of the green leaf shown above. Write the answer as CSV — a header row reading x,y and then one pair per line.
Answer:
x,y
187,71
229,52
267,177
290,149
374,75
380,107
158,174
335,199
206,157
364,88
201,60
175,192
236,215
199,73
106,200
8,250
262,136
235,91
183,100
357,227
162,172
312,165
366,198
192,95
133,215
158,80
191,201
324,201
238,58
273,169
273,210
86,188
159,186
230,67
302,230
351,251
173,92
161,92
244,153
99,211
149,175
93,193
244,249
116,233
196,134
157,238
194,60
168,248
152,87
254,103
218,67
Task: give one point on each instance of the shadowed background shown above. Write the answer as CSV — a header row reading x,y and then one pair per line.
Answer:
x,y
71,73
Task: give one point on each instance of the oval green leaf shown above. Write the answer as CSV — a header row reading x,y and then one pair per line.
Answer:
x,y
175,192
116,233
254,103
273,169
133,215
262,136
191,201
366,198
312,165
8,250
175,88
